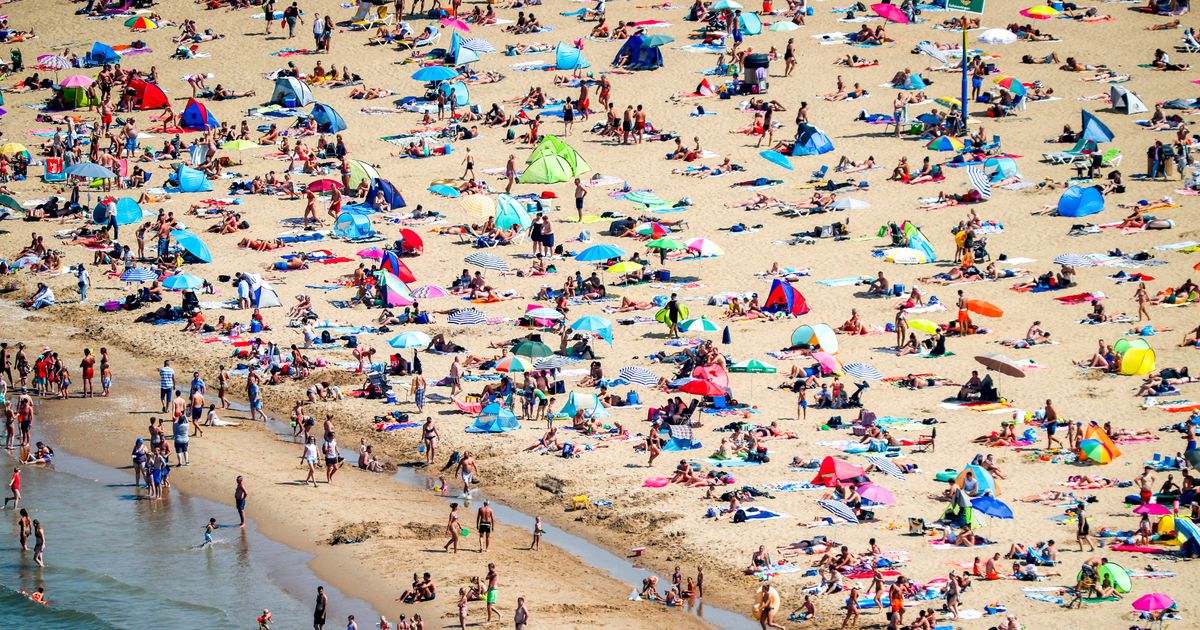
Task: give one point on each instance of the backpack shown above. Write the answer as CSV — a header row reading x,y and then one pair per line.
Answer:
x,y
739,516
326,337
568,450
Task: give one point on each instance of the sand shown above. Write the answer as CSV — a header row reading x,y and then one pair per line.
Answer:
x,y
669,522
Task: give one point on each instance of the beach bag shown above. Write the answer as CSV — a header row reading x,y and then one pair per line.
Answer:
x,y
568,450
326,337
739,516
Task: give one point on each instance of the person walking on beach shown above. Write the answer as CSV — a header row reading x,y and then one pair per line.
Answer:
x,y
239,500
485,522
39,542
492,593
268,7
25,527
452,528
429,435
332,458
467,470
87,368
510,173
469,161
418,386
455,377
25,417
537,534
197,407
254,397
291,15
208,533
14,486
166,384
521,615
1050,424
319,611
673,316
21,363
309,457
580,193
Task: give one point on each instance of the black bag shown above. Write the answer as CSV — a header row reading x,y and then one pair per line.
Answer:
x,y
739,516
326,337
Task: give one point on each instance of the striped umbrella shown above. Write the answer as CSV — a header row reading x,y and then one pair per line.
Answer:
x,y
839,509
638,376
478,45
54,62
467,317
478,206
886,466
1073,260
645,198
652,228
863,371
139,274
698,324
487,261
980,181
430,292
704,247
410,339
513,363
555,362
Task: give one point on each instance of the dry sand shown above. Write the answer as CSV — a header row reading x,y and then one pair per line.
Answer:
x,y
669,521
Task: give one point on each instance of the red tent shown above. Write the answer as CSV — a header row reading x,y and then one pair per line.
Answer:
x,y
147,95
833,470
784,298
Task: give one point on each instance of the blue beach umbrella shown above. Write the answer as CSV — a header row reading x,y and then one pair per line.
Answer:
x,y
410,339
444,190
183,282
777,159
89,170
435,74
599,252
139,274
992,506
596,324
192,245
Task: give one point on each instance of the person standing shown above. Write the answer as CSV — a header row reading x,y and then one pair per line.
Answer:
x,y
1083,529
1142,297
455,377
452,528
26,528
521,615
181,430
197,406
84,279
580,193
268,7
673,316
39,542
14,486
332,458
492,592
87,368
429,435
319,611
485,522
510,173
1050,424
239,500
254,397
166,384
964,315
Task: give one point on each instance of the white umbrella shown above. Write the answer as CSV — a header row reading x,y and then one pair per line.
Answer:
x,y
639,376
850,204
997,36
487,261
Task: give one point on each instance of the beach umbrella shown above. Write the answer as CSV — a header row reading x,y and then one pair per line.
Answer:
x,y
644,198
478,45
890,12
886,466
638,376
487,261
863,371
410,339
783,27
827,361
876,494
3,111
1074,260
54,62
721,5
839,509
445,191
412,240
668,244
848,203
240,145
998,36
704,247
467,317
929,119
599,252
923,325
985,308
544,313
698,324
991,506
1039,12
182,282
753,366
435,74
370,252
1012,84
999,363
532,350
945,143
1096,451
141,23
9,202
702,387
514,363
1153,509
1153,602
430,292
624,267
86,170
479,206
949,101
192,245
76,81
654,41
455,24
595,324
653,229
324,185
9,149
777,159
555,362
139,274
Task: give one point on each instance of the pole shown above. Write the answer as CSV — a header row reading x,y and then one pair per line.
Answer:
x,y
966,73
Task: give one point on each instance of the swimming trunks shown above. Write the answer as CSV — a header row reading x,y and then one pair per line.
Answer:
x,y
492,596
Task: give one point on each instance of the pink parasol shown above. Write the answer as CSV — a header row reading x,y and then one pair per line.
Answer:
x,y
430,292
370,252
455,24
877,494
1153,509
827,361
76,81
890,12
1153,602
324,185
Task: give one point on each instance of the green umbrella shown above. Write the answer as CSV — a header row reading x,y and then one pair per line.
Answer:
x,y
9,202
666,243
532,349
654,41
699,324
753,366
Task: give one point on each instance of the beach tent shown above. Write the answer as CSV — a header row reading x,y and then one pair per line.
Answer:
x,y
128,212
749,24
682,439
919,249
456,91
811,141
588,403
915,82
464,56
395,291
391,195
1137,357
73,97
568,57
291,87
147,95
360,172
196,117
511,212
353,226
550,169
188,179
816,337
101,54
1095,130
985,482
637,54
833,470
494,419
1000,168
554,146
784,298
1078,201
1125,101
261,293
328,120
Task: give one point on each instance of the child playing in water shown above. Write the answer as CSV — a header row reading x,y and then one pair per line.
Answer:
x,y
208,532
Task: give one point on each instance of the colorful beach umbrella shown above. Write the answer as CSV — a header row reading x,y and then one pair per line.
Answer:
x,y
945,143
1153,509
753,366
467,317
722,5
949,101
324,185
455,24
544,313
625,266
183,282
412,240
777,159
698,324
704,247
1039,12
9,149
10,203
410,339
923,325
828,362
668,244
1096,451
370,252
430,292
702,387
595,324
532,350
653,229
139,274
890,12
513,363
478,206
240,145
1012,84
644,198
141,23
984,308
54,62
876,494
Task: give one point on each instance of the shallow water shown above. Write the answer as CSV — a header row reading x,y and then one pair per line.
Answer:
x,y
116,561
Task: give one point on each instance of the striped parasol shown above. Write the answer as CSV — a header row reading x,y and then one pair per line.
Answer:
x,y
467,317
645,198
139,274
54,62
980,181
487,261
430,292
478,45
886,466
479,206
839,509
1074,260
554,362
638,376
863,371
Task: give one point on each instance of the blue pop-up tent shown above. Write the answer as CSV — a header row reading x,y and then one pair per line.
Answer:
x,y
750,24
568,57
636,54
494,419
188,179
812,141
328,120
291,88
1078,201
197,117
102,54
458,91
353,226
391,195
588,403
1095,130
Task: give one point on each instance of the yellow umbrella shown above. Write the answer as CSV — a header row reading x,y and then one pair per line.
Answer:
x,y
12,148
624,267
950,101
479,206
923,325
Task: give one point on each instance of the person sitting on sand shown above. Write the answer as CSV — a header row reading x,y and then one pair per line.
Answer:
x,y
854,325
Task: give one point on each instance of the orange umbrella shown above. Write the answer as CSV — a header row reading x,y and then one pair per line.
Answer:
x,y
987,309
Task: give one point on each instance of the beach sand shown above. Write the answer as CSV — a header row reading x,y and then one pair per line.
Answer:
x,y
670,522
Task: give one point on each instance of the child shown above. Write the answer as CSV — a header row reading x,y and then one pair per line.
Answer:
x,y
537,534
208,532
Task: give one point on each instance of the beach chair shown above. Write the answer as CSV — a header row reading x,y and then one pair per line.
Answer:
x,y
860,427
434,37
360,17
1189,45
994,145
1081,150
926,443
819,174
1111,158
